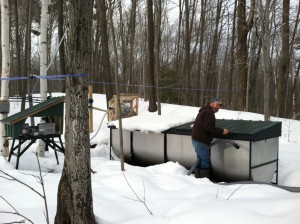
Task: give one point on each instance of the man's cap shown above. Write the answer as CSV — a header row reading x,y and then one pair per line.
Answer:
x,y
217,100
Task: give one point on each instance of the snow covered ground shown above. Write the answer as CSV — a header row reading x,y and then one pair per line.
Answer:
x,y
168,194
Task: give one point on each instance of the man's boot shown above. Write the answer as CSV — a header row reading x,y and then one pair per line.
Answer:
x,y
204,173
197,173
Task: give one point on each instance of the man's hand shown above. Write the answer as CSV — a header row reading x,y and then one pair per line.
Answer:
x,y
225,131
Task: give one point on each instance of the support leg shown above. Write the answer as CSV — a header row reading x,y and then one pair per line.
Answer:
x,y
11,150
18,156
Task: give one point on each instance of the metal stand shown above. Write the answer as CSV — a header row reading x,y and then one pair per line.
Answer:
x,y
48,139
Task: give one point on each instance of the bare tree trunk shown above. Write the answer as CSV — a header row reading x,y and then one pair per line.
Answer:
x,y
18,48
158,12
43,65
97,67
211,73
284,61
150,76
296,93
74,199
132,28
28,61
265,13
105,50
118,102
178,40
232,61
43,49
200,53
295,103
243,27
62,60
185,75
4,145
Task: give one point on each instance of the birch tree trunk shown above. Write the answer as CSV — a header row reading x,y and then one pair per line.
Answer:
x,y
5,72
75,199
43,64
43,49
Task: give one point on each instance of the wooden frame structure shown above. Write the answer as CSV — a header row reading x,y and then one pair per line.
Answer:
x,y
129,106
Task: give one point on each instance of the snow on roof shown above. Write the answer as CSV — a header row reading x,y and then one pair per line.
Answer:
x,y
152,122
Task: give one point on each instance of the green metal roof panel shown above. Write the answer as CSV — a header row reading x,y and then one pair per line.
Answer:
x,y
37,110
239,129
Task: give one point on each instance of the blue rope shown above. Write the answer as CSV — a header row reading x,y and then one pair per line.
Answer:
x,y
50,77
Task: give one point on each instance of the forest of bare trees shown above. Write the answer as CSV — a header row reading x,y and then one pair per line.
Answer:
x,y
182,52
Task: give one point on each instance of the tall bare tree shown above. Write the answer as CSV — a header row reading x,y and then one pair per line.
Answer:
x,y
27,66
105,49
211,74
158,12
244,25
74,199
186,71
284,63
200,55
265,13
150,74
117,85
232,59
132,28
62,59
18,45
43,63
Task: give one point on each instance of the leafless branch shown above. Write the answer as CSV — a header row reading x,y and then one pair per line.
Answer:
x,y
40,180
234,191
43,187
13,178
14,213
138,198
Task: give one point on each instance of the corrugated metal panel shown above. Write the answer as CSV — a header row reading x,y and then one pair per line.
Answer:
x,y
29,112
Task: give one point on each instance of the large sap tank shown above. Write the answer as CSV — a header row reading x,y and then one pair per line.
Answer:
x,y
249,152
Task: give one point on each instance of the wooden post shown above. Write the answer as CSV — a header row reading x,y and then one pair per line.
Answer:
x,y
91,108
